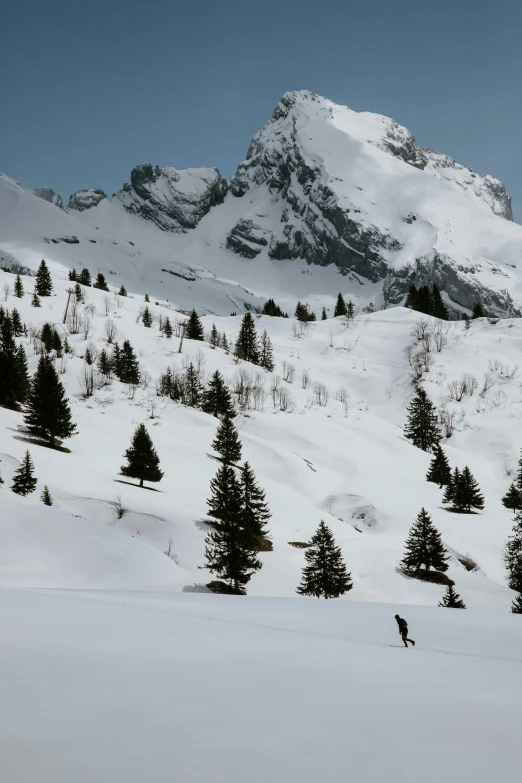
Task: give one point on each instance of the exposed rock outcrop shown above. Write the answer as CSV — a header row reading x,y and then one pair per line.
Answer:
x,y
86,199
49,195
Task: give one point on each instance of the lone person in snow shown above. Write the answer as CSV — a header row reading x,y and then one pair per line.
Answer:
x,y
403,630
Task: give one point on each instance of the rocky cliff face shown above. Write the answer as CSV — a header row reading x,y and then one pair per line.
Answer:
x,y
173,200
85,199
333,186
49,195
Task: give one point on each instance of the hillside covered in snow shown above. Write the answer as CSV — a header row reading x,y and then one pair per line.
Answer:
x,y
323,433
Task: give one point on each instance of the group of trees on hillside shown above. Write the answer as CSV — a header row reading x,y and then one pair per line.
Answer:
x,y
428,300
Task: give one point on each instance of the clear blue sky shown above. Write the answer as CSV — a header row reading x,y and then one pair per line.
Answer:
x,y
90,89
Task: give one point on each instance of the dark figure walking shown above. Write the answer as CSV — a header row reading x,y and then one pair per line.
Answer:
x,y
403,630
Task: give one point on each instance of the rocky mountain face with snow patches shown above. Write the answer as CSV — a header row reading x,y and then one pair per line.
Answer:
x,y
173,200
348,200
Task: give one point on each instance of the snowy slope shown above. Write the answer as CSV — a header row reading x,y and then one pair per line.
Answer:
x,y
137,687
125,248
345,461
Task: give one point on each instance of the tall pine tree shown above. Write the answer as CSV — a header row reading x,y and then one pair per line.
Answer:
x,y
18,287
227,441
13,368
47,411
440,471
438,308
451,599
192,390
127,369
43,282
228,552
247,347
513,555
513,497
463,492
325,574
24,481
422,428
85,277
194,328
101,283
424,548
254,510
266,353
340,306
216,398
142,458
147,318
516,606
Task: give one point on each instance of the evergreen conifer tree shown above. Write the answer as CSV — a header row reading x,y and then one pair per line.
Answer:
x,y
43,282
227,441
513,497
463,492
46,336
116,361
247,347
24,481
47,411
451,599
105,366
18,287
340,306
440,471
423,302
194,327
57,343
350,310
452,487
1,480
142,458
147,298
16,323
35,301
228,551
422,427
45,497
85,277
266,353
101,283
424,548
411,299
513,555
129,368
167,328
216,398
478,310
224,342
324,317
13,367
122,291
88,357
214,338
254,509
325,574
72,275
78,293
438,308
147,318
516,606
192,387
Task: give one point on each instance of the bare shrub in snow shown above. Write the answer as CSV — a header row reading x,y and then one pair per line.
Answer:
x,y
321,394
420,329
285,401
305,379
447,421
288,372
87,381
301,329
7,291
86,328
111,331
274,389
342,394
119,509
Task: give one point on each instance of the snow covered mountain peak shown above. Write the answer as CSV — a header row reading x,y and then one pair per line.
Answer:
x,y
172,199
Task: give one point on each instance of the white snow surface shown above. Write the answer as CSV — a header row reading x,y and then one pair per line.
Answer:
x,y
132,687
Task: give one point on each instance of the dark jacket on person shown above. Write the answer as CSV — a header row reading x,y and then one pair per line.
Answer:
x,y
403,625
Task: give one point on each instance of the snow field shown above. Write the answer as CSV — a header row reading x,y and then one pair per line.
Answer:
x,y
126,687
